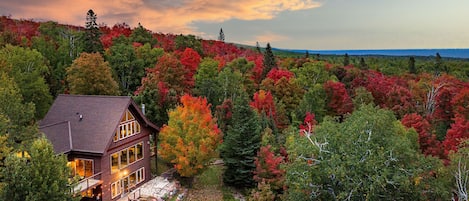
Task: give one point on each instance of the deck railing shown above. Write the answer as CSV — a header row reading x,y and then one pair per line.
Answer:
x,y
87,182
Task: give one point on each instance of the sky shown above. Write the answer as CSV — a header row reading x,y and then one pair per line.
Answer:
x,y
287,24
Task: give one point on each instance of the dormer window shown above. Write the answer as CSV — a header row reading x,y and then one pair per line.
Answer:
x,y
127,127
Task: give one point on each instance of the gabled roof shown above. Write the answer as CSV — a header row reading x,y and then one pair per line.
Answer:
x,y
86,123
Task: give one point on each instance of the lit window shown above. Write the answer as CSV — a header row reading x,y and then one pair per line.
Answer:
x,y
124,158
116,189
82,167
139,151
127,127
114,162
132,154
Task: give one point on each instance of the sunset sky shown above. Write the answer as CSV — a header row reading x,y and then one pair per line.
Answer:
x,y
290,24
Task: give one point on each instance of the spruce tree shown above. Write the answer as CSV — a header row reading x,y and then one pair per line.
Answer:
x,y
221,36
363,65
258,47
242,141
346,60
269,61
412,68
91,40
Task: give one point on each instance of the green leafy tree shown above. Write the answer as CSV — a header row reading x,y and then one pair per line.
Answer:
x,y
191,137
370,156
206,83
91,75
92,34
311,73
190,41
142,36
240,145
314,101
42,176
17,117
124,63
28,69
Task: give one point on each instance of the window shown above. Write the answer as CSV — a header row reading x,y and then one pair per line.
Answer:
x,y
115,189
126,157
127,127
123,184
139,151
132,154
82,167
114,162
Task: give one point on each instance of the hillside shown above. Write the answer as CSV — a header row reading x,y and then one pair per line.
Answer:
x,y
292,126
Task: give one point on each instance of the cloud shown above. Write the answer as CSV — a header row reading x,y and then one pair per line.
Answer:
x,y
168,16
266,37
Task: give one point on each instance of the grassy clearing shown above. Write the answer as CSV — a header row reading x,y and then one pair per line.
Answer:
x,y
209,186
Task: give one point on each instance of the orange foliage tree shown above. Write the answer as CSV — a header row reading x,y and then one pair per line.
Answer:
x,y
191,137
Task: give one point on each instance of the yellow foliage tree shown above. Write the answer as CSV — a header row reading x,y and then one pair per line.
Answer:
x,y
191,137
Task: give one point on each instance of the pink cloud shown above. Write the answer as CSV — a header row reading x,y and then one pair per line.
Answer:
x,y
159,16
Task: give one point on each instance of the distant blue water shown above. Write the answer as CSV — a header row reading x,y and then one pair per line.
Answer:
x,y
453,53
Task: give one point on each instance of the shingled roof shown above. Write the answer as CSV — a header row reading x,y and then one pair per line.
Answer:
x,y
86,123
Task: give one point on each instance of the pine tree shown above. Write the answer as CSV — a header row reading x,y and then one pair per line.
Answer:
x,y
346,60
269,61
258,47
363,65
412,68
242,141
91,40
221,37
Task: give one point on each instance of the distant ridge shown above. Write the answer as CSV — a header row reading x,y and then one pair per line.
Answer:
x,y
450,53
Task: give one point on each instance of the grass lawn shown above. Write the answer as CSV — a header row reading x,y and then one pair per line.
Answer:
x,y
209,186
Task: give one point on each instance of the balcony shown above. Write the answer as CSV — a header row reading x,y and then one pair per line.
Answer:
x,y
88,183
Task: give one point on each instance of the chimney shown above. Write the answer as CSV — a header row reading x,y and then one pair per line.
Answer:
x,y
143,109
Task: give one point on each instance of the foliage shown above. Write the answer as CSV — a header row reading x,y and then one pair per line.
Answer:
x,y
206,83
28,69
191,137
190,59
240,145
429,145
458,133
17,118
263,192
339,102
42,176
268,168
369,156
91,75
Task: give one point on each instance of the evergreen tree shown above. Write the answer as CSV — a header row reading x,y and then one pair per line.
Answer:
x,y
363,65
258,47
221,37
412,68
42,176
346,60
241,143
91,38
269,61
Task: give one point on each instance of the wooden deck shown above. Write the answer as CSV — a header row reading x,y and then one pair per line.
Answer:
x,y
87,183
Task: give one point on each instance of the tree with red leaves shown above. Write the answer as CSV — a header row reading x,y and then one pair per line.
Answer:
x,y
190,59
429,145
268,168
339,102
263,103
276,74
458,133
460,103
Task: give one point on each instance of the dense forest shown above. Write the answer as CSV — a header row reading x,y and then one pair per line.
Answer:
x,y
287,126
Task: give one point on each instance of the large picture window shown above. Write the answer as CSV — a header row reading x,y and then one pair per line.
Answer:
x,y
126,157
82,167
127,182
127,127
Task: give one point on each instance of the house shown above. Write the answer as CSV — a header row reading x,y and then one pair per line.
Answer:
x,y
106,140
